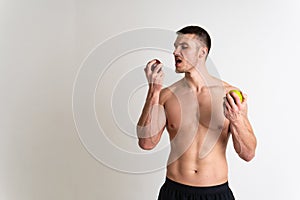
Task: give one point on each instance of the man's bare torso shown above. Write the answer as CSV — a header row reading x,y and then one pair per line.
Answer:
x,y
198,133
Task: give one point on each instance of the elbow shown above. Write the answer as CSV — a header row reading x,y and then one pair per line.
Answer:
x,y
247,154
250,153
146,145
248,157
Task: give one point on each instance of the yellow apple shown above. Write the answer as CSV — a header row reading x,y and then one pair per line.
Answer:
x,y
238,93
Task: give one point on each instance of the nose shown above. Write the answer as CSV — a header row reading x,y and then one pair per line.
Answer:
x,y
176,52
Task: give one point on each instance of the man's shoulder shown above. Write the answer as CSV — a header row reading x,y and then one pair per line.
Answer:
x,y
168,91
221,86
229,87
165,93
225,85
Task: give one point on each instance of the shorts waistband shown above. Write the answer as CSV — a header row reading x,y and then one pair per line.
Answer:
x,y
188,188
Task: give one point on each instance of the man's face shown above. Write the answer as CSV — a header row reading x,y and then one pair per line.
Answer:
x,y
187,55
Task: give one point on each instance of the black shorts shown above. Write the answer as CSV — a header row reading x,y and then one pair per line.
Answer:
x,y
172,190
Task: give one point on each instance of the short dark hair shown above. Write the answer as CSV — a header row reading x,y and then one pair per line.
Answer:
x,y
200,32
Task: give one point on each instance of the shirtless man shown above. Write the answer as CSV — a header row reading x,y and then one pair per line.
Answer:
x,y
199,114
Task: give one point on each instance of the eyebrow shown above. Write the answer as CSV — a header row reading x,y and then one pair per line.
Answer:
x,y
182,43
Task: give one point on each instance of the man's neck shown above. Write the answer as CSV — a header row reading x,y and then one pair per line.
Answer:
x,y
197,78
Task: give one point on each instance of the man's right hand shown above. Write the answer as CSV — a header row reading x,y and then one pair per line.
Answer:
x,y
155,77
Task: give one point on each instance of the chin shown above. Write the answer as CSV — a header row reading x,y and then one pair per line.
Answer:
x,y
179,71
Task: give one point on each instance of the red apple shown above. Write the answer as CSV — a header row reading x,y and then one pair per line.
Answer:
x,y
155,64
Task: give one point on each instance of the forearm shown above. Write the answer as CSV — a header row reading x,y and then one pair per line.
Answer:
x,y
151,100
151,122
243,138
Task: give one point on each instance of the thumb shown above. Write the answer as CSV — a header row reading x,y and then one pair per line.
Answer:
x,y
245,97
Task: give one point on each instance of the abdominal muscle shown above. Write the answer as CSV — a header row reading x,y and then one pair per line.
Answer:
x,y
189,169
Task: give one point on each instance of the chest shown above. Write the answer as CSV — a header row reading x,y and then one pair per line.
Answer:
x,y
187,110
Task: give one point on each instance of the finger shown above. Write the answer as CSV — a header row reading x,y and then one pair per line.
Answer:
x,y
231,101
224,109
224,105
161,74
227,108
149,64
245,98
236,98
158,68
229,98
146,69
227,104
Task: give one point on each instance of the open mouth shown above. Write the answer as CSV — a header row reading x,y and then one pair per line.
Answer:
x,y
178,60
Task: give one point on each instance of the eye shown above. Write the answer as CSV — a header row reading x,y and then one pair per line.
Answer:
x,y
184,47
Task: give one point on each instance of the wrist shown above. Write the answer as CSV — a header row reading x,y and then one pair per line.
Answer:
x,y
153,95
238,121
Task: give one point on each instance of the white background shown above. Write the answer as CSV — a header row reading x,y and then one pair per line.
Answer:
x,y
42,44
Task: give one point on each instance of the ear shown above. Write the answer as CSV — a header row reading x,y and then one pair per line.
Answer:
x,y
203,52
